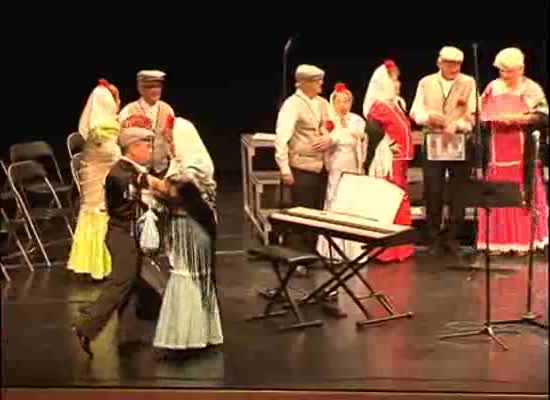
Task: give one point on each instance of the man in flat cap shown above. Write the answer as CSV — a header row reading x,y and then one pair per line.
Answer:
x,y
150,105
444,105
122,187
301,142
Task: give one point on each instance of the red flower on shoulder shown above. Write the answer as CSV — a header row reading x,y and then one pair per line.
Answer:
x,y
329,125
170,121
461,102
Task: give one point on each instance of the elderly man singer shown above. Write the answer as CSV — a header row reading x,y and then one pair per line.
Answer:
x,y
150,105
300,144
444,105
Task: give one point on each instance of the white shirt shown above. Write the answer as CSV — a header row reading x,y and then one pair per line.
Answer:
x,y
421,115
286,122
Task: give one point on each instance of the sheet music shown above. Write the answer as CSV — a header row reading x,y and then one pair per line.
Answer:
x,y
368,197
453,150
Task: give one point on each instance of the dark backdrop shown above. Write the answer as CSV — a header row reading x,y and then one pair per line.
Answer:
x,y
227,83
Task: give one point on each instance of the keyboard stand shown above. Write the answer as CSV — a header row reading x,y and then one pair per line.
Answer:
x,y
352,268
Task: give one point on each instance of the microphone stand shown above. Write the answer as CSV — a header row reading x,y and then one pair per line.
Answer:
x,y
488,324
284,94
529,317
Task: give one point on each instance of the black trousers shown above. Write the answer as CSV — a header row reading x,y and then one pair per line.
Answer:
x,y
309,190
435,186
121,290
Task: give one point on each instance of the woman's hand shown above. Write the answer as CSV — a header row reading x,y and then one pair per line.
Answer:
x,y
395,148
358,135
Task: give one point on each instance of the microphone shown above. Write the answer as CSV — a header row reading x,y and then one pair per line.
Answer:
x,y
288,44
286,50
290,41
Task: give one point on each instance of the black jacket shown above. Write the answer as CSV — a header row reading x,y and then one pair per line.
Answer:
x,y
122,195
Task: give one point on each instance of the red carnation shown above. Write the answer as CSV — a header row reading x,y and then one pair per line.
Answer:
x,y
461,102
139,121
330,125
390,64
104,83
340,87
170,121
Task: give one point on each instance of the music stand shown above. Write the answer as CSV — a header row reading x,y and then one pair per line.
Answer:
x,y
487,195
529,317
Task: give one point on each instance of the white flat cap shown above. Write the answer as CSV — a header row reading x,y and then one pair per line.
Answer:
x,y
450,53
307,72
150,75
134,134
510,57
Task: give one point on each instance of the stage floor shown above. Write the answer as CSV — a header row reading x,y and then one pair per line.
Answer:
x,y
38,348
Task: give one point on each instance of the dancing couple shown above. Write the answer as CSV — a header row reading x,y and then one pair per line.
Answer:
x,y
183,197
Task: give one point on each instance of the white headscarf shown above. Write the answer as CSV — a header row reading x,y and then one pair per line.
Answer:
x,y
100,107
381,87
189,148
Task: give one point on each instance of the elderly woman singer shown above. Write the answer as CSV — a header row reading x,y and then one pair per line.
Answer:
x,y
512,105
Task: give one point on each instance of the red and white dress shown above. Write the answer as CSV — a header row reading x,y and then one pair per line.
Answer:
x,y
510,227
397,129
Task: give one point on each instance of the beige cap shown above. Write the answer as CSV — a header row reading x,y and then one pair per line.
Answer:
x,y
510,57
134,134
450,53
307,72
150,75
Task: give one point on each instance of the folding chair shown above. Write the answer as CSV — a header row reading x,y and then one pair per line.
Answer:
x,y
75,144
6,197
75,168
41,152
10,230
24,175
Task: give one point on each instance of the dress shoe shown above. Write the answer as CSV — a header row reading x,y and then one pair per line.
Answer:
x,y
84,342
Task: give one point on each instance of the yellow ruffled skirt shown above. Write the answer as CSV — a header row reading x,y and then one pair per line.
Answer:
x,y
89,253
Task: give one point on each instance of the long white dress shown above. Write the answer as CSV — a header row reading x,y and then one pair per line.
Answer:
x,y
347,155
189,316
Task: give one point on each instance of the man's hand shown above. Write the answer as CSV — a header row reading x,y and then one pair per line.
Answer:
x,y
437,121
323,143
450,129
288,179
